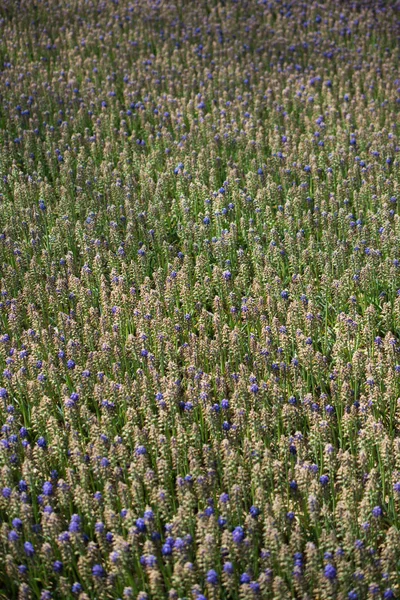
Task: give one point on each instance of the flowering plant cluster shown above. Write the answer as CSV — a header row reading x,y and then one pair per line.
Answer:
x,y
199,300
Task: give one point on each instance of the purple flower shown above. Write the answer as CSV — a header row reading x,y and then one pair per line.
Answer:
x,y
29,549
76,588
166,550
377,512
238,535
324,480
151,561
47,488
64,537
17,523
13,536
71,364
330,572
6,492
75,524
212,577
58,566
141,451
141,525
98,571
42,442
254,511
228,568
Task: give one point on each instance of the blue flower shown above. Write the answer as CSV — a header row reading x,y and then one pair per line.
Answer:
x,y
330,572
98,571
212,577
47,488
166,549
221,521
238,535
377,512
228,568
324,480
29,549
17,523
58,566
141,525
13,536
75,524
254,511
6,492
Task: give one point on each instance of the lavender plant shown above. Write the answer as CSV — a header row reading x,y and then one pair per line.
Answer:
x,y
200,300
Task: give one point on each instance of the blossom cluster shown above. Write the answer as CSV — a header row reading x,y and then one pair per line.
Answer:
x,y
199,300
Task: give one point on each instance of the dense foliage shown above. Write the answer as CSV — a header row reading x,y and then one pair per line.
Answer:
x,y
200,300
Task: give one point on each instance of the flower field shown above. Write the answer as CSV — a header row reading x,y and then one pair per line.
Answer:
x,y
199,300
